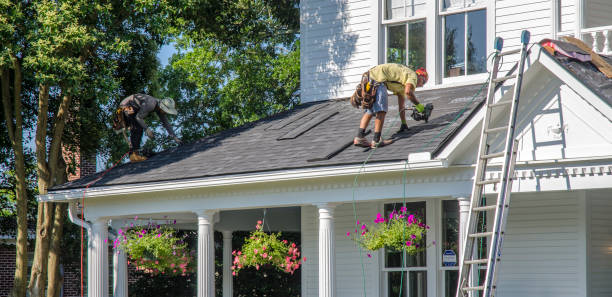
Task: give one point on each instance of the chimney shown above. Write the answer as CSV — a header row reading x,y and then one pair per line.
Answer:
x,y
83,165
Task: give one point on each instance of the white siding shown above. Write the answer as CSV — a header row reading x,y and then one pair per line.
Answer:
x,y
541,253
338,42
349,277
600,244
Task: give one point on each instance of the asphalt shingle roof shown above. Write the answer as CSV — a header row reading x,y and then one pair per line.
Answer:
x,y
313,134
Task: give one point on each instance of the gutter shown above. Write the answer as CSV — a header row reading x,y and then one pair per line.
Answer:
x,y
242,179
72,211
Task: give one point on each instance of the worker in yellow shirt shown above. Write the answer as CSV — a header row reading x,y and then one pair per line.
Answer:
x,y
401,81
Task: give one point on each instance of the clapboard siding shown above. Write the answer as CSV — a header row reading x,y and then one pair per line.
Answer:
x,y
349,276
337,41
541,249
600,245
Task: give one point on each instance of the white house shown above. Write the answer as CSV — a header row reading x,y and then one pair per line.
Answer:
x,y
559,235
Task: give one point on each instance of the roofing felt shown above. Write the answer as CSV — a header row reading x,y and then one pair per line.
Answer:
x,y
588,74
314,134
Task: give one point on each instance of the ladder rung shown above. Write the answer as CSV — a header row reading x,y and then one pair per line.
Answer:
x,y
484,208
488,181
477,261
480,288
510,52
501,103
496,129
504,78
493,155
483,234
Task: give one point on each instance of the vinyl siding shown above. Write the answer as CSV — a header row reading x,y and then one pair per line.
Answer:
x,y
600,244
541,254
349,276
337,41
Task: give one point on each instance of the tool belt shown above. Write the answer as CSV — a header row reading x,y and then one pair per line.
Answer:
x,y
365,93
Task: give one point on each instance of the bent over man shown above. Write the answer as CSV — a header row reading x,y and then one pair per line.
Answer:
x,y
401,81
134,109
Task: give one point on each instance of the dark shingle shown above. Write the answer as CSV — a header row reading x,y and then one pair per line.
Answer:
x,y
255,148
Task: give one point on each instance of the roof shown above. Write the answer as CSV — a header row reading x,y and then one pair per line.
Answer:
x,y
588,74
315,134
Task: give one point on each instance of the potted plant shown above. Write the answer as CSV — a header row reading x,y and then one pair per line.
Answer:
x,y
399,231
261,248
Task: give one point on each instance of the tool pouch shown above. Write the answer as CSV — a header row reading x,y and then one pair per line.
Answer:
x,y
365,93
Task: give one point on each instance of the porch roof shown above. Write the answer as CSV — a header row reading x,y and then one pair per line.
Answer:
x,y
315,134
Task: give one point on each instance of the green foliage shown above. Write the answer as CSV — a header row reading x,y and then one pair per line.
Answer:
x,y
400,231
156,250
262,248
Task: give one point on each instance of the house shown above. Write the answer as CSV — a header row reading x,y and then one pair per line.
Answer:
x,y
300,165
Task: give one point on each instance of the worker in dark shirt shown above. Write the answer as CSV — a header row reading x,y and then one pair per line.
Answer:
x,y
135,108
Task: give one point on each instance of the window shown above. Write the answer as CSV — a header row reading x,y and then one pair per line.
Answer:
x,y
450,242
406,44
401,9
465,50
411,277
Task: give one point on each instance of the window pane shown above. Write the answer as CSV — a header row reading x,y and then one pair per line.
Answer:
x,y
477,42
418,284
450,282
393,259
416,45
454,41
450,226
395,9
396,44
394,283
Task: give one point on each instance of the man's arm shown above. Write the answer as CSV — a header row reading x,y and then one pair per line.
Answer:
x,y
409,90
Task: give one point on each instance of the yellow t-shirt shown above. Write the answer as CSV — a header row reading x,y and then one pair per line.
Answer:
x,y
395,76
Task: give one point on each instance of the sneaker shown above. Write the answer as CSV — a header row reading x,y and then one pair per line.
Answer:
x,y
381,143
403,128
361,141
134,157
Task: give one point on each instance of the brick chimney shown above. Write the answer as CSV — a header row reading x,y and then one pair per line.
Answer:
x,y
83,165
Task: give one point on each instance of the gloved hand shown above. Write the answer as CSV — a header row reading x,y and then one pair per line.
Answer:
x,y
178,140
150,133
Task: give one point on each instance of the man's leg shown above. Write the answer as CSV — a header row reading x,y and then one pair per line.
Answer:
x,y
378,125
360,139
135,138
401,103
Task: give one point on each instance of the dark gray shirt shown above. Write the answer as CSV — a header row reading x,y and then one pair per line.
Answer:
x,y
145,104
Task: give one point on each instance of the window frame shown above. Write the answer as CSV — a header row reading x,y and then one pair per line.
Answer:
x,y
440,265
405,23
465,78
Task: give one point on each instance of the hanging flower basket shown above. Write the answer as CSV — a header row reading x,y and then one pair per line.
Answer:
x,y
261,249
156,250
399,232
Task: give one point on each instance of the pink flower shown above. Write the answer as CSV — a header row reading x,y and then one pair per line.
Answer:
x,y
265,255
369,256
363,227
234,273
403,209
172,265
304,259
259,222
357,222
413,236
255,251
263,248
348,234
135,218
257,266
408,243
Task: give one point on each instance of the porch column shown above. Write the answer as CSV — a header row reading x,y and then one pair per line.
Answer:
x,y
98,259
464,211
327,263
227,264
120,274
206,254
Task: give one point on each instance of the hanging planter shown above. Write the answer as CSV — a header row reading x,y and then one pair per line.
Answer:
x,y
156,250
261,249
398,232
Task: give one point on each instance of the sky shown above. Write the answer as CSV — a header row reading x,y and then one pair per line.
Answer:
x,y
165,53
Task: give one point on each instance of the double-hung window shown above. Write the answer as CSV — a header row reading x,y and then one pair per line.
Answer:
x,y
464,37
405,41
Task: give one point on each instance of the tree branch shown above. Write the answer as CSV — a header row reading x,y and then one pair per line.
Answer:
x,y
56,141
41,138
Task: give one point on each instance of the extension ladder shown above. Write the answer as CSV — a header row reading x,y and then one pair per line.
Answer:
x,y
470,263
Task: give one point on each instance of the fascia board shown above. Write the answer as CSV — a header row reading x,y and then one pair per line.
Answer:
x,y
239,179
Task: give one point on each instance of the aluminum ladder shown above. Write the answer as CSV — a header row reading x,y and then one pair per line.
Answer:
x,y
471,260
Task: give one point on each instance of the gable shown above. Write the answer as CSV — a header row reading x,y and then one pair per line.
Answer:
x,y
559,117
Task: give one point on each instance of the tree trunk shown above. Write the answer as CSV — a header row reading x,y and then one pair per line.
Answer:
x,y
16,138
55,279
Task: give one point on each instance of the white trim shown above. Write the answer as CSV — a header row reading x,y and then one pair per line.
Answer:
x,y
402,20
462,10
239,179
584,241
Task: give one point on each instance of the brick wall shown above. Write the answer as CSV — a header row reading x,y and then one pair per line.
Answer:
x,y
7,269
83,165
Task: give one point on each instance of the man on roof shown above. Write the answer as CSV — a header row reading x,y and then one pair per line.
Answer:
x,y
131,113
371,95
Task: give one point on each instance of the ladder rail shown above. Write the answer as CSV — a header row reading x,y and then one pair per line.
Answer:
x,y
505,190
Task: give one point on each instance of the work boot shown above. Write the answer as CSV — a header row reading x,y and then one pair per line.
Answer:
x,y
135,157
403,128
382,142
361,141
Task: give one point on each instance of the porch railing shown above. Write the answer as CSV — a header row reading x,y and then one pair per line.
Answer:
x,y
598,38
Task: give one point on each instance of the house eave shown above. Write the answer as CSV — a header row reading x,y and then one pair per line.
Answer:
x,y
240,179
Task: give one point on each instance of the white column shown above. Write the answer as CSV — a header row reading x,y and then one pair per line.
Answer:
x,y
120,274
206,254
327,269
228,289
97,284
464,211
